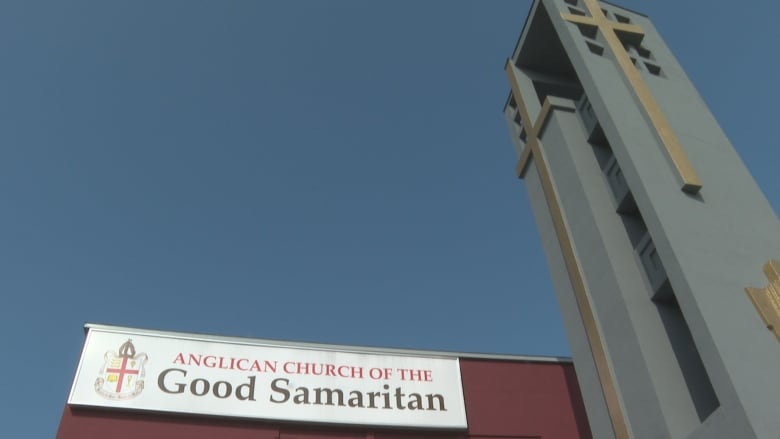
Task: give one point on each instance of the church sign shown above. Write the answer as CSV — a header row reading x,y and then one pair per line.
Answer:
x,y
165,372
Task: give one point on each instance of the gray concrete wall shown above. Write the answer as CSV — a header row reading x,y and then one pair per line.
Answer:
x,y
598,417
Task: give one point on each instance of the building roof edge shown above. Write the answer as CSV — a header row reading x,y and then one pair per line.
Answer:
x,y
330,347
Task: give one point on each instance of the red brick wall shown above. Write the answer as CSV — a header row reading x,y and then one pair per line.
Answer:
x,y
523,400
504,399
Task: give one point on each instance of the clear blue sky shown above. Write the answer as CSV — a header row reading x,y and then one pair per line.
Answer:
x,y
317,171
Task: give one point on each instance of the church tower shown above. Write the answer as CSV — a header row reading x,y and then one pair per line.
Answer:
x,y
659,242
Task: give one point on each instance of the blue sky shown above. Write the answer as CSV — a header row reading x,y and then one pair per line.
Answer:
x,y
317,171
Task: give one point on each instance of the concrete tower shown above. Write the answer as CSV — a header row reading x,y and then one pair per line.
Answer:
x,y
655,232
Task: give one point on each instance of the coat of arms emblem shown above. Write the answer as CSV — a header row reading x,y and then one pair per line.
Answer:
x,y
122,375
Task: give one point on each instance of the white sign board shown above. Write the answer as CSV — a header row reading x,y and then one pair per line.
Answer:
x,y
188,374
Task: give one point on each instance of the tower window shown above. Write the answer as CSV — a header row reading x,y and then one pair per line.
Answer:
x,y
596,48
653,69
622,19
588,31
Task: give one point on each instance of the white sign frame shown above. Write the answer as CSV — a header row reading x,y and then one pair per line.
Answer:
x,y
122,368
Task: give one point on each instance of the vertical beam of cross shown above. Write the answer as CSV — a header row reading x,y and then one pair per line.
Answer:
x,y
533,149
612,31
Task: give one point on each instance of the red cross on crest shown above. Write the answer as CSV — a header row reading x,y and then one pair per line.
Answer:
x,y
122,375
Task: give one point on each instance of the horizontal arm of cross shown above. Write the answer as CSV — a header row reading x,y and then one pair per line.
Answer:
x,y
579,19
626,28
619,28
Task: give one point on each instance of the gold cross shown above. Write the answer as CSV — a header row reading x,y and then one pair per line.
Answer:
x,y
767,300
532,130
592,333
612,32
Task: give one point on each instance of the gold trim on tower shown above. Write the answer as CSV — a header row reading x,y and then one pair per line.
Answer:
x,y
533,149
767,300
612,31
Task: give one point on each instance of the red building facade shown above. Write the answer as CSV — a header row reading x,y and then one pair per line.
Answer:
x,y
504,397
